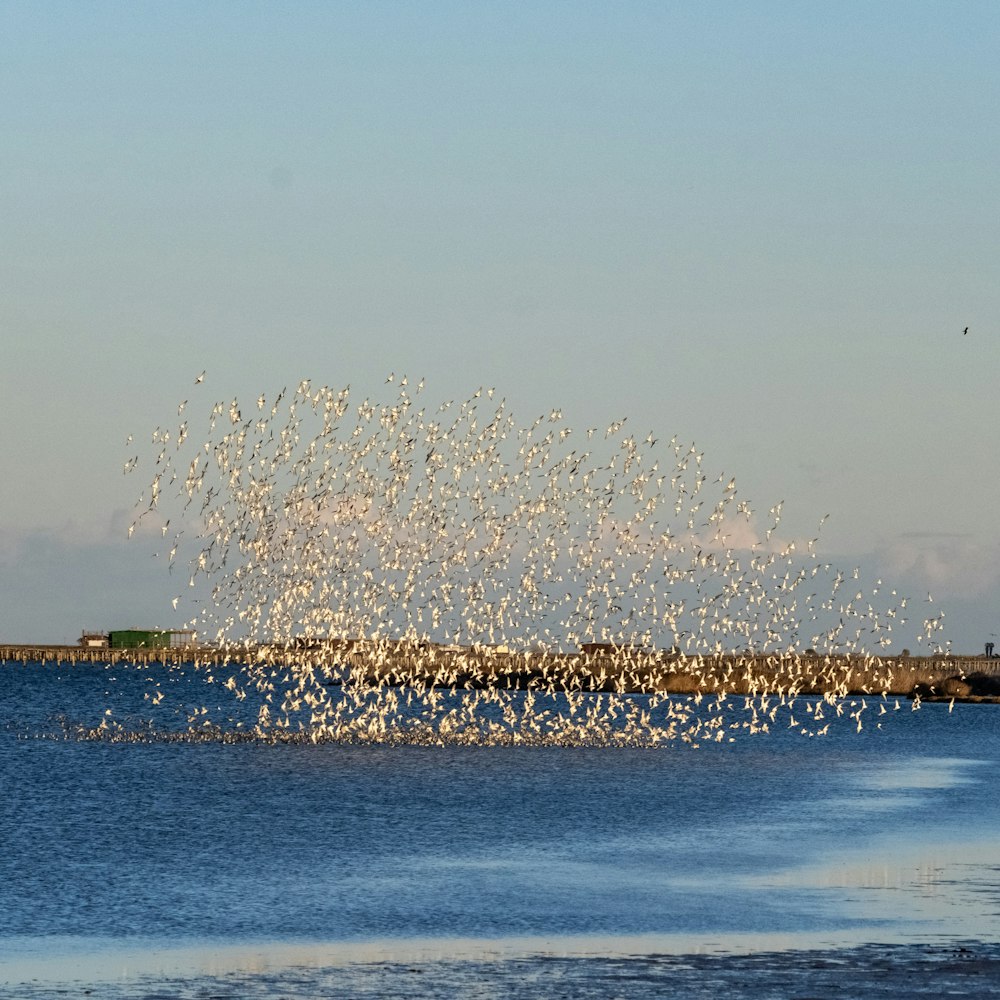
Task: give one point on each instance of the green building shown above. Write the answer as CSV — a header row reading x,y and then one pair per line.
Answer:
x,y
134,638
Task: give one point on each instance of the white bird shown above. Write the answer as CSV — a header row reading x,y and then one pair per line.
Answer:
x,y
403,527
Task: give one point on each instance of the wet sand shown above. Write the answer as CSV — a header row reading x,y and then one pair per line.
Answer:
x,y
954,969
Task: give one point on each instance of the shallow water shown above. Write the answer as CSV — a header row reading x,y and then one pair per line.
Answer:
x,y
152,859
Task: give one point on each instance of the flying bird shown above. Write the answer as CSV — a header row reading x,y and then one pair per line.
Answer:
x,y
340,529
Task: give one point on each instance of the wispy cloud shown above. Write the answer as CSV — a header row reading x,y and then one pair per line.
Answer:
x,y
11,546
76,574
949,565
72,534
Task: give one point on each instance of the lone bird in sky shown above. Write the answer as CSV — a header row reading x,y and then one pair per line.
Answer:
x,y
965,331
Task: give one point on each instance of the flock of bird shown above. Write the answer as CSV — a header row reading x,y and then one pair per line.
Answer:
x,y
446,546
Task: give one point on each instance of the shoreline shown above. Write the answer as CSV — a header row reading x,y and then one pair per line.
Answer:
x,y
646,965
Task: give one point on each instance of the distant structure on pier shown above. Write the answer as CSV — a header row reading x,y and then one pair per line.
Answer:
x,y
138,638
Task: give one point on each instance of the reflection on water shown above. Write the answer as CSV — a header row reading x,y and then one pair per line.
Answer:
x,y
87,958
919,772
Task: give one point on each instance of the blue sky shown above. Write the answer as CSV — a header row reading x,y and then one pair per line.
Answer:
x,y
762,227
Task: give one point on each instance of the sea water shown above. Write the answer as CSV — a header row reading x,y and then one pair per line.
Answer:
x,y
158,847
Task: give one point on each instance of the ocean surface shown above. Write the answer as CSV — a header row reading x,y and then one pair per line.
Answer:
x,y
184,863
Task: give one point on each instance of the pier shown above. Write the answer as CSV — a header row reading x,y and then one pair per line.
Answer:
x,y
964,678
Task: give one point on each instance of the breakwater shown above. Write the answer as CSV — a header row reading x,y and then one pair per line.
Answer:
x,y
619,670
